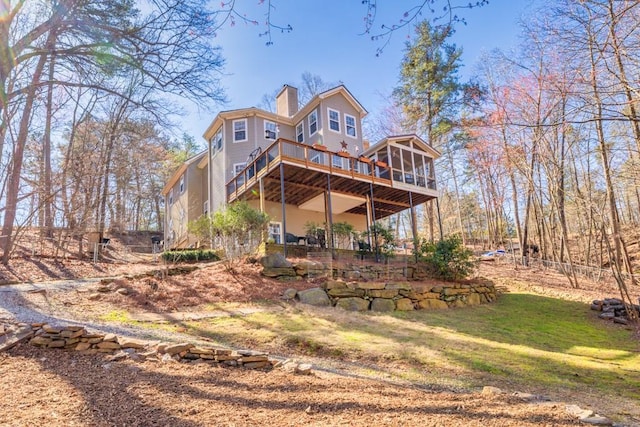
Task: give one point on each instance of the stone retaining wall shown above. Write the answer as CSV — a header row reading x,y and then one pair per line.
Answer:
x,y
390,296
77,338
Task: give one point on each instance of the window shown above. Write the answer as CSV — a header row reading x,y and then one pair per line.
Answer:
x,y
275,232
171,197
182,184
270,130
237,168
334,120
240,130
350,125
205,208
216,142
300,132
313,122
337,161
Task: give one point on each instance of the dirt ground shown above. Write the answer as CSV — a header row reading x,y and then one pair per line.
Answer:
x,y
52,387
56,388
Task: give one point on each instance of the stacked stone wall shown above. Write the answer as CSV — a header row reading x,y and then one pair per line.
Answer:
x,y
402,296
78,339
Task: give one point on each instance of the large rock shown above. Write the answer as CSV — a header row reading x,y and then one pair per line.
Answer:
x,y
474,299
432,304
353,304
382,293
404,304
279,272
345,292
371,285
314,296
274,261
382,304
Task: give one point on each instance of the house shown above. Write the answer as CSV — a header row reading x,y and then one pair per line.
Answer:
x,y
186,199
301,165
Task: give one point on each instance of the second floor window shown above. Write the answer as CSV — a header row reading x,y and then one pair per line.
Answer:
x,y
270,130
350,125
171,197
313,122
182,184
300,132
239,130
334,120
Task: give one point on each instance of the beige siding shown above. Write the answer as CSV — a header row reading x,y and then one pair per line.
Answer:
x,y
332,139
297,218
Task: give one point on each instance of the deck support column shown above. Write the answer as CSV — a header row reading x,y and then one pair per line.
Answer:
x,y
265,234
329,216
414,228
368,202
373,223
284,213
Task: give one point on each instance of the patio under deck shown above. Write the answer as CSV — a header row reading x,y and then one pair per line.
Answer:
x,y
304,175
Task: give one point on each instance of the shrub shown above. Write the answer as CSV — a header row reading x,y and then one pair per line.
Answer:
x,y
190,256
447,259
237,229
382,239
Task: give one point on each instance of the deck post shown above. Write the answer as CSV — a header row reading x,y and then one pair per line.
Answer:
x,y
373,223
284,213
414,229
329,216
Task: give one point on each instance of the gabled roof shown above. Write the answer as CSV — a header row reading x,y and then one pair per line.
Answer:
x,y
183,167
395,138
242,113
306,109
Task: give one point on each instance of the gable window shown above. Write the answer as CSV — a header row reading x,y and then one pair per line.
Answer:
x,y
270,130
313,122
240,130
350,125
171,197
182,184
334,120
300,132
216,141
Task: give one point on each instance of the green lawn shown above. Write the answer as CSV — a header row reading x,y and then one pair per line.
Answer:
x,y
525,341
522,342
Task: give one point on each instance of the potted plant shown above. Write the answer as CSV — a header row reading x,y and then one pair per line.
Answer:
x,y
343,153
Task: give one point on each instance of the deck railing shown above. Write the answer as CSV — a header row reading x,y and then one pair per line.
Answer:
x,y
316,158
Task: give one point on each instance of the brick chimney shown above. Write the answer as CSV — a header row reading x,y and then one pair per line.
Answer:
x,y
287,101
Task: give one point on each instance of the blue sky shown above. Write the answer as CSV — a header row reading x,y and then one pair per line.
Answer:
x,y
325,41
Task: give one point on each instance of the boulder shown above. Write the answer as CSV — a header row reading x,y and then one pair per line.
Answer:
x,y
353,304
404,304
371,285
279,272
474,299
382,304
289,294
432,304
382,293
275,261
314,296
335,284
345,293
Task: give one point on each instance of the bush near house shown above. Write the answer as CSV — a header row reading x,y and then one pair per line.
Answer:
x,y
236,229
446,259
